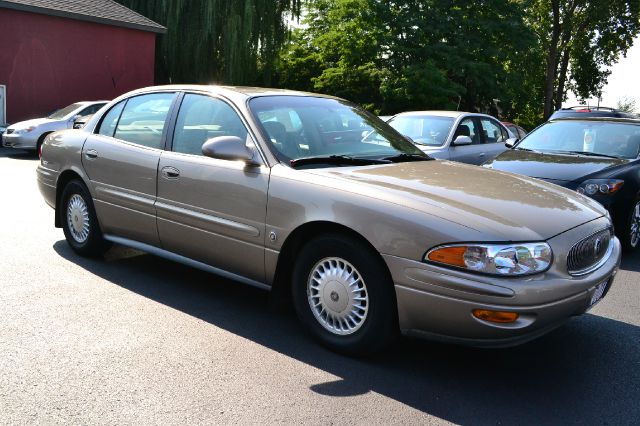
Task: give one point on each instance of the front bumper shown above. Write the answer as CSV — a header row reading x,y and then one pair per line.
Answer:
x,y
20,141
437,303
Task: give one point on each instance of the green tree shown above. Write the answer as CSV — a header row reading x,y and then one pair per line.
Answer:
x,y
224,41
626,104
399,55
581,39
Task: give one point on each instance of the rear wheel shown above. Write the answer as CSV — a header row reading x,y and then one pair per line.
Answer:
x,y
344,296
79,221
630,232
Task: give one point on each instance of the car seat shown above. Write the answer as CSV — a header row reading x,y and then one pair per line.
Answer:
x,y
279,138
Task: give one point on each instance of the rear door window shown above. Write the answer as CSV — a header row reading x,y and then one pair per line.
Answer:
x,y
90,110
110,120
144,118
492,131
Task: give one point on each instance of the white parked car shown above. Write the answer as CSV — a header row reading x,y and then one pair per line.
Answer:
x,y
453,135
31,133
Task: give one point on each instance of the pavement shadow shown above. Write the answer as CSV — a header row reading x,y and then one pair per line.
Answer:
x,y
16,154
585,372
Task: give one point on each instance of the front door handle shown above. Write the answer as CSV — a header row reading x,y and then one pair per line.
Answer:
x,y
91,154
170,172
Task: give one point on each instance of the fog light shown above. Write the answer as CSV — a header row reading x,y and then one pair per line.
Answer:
x,y
495,316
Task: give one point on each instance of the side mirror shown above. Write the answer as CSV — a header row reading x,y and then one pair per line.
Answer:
x,y
228,148
409,138
509,143
462,140
79,121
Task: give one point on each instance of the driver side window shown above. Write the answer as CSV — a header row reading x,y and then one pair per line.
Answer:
x,y
468,127
202,118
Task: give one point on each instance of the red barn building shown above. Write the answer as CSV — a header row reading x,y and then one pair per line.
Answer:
x,y
57,52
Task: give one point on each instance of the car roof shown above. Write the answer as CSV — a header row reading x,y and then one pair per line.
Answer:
x,y
438,113
590,112
221,89
635,121
92,102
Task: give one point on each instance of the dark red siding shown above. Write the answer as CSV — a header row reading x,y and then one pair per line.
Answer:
x,y
48,62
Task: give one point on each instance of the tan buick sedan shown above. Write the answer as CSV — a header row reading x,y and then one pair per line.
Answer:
x,y
312,197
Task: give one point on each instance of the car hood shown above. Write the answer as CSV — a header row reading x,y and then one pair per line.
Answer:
x,y
34,122
555,167
501,206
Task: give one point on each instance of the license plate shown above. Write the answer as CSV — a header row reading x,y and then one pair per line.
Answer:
x,y
598,294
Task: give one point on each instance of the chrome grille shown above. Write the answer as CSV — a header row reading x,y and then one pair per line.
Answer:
x,y
590,253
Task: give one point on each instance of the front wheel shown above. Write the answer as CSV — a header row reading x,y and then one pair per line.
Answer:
x,y
630,234
79,221
344,296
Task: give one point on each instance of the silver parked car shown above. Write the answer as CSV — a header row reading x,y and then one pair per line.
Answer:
x,y
312,196
30,134
452,135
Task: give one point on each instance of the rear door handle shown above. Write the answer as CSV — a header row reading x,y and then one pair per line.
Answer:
x,y
91,154
170,172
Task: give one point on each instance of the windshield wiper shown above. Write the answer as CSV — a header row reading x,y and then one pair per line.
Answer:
x,y
337,160
407,157
589,154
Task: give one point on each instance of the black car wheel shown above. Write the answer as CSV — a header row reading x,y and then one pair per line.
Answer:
x,y
344,296
631,232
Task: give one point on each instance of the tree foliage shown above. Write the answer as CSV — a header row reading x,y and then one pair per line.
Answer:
x,y
512,58
626,104
226,41
402,55
581,39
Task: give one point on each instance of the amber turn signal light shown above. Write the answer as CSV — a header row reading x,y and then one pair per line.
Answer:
x,y
495,316
453,256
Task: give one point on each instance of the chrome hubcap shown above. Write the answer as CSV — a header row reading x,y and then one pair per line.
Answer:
x,y
338,296
635,226
78,218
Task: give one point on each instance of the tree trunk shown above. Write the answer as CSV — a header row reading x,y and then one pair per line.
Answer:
x,y
565,50
552,61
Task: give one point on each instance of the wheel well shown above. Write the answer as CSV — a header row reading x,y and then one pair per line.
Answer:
x,y
66,177
281,289
41,138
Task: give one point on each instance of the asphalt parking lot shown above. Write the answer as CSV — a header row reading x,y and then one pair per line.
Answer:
x,y
137,339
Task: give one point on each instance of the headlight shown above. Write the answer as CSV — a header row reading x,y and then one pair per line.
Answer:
x,y
25,130
600,186
495,259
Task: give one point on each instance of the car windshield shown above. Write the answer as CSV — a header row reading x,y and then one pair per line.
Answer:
x,y
304,127
584,137
424,129
62,113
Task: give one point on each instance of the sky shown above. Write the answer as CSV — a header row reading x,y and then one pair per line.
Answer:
x,y
624,81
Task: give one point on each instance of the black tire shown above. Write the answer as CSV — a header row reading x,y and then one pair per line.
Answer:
x,y
380,326
94,245
625,227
